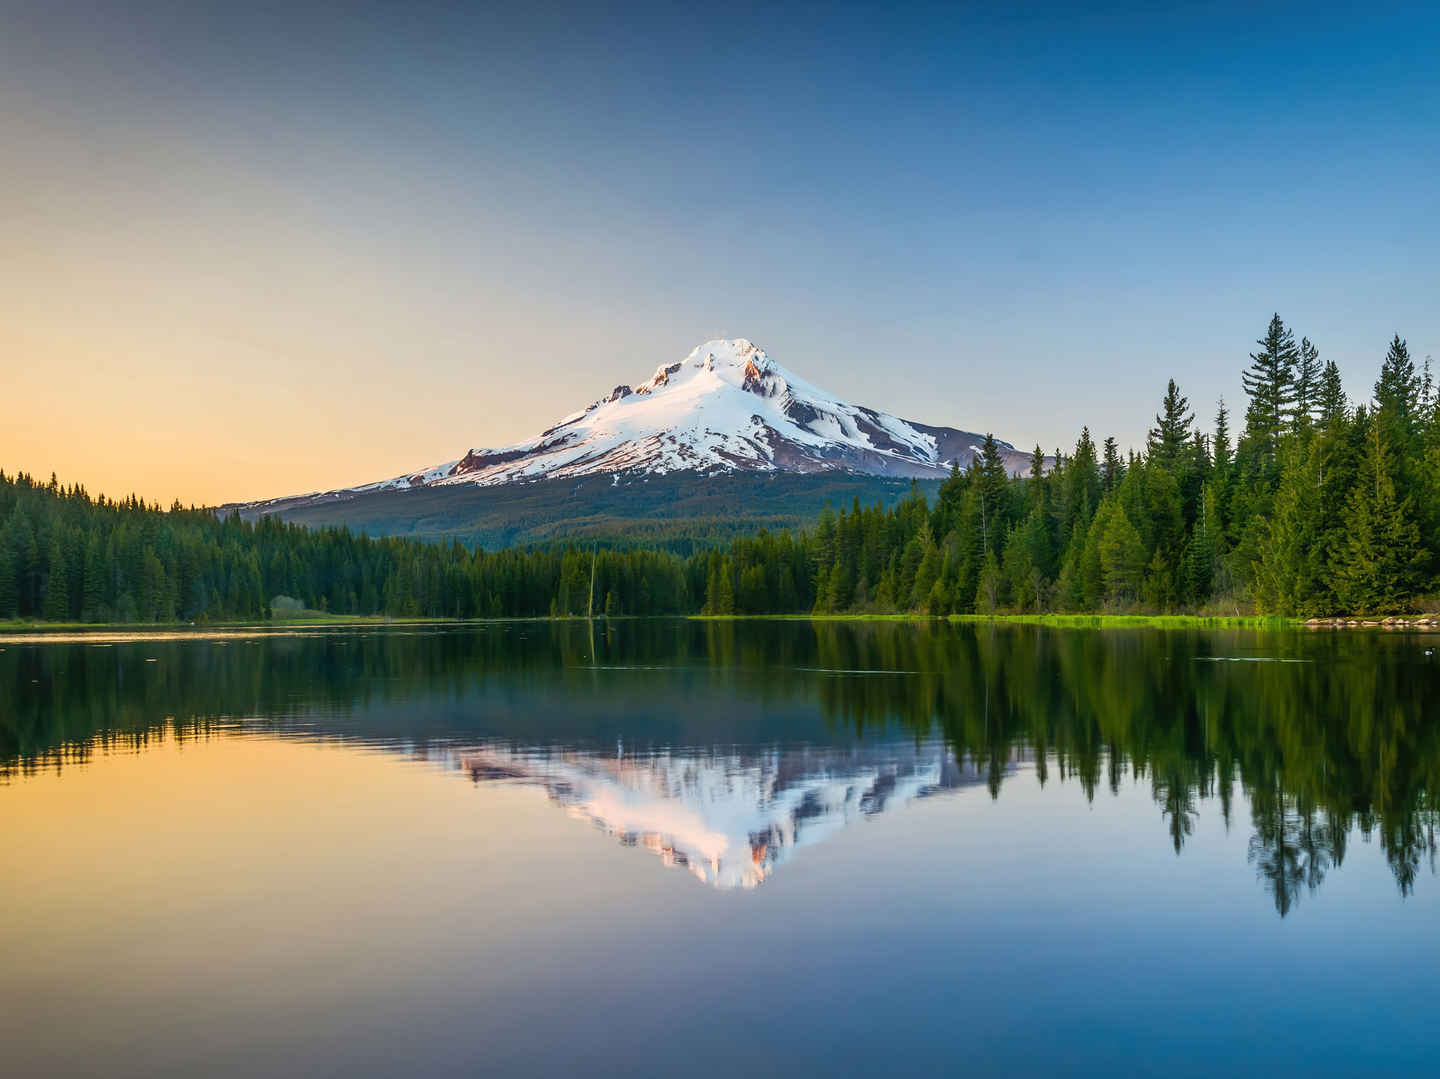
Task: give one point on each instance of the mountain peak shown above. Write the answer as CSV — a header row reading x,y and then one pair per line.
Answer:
x,y
731,362
726,407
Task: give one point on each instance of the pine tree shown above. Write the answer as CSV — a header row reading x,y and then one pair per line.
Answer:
x,y
1332,406
1171,433
1160,519
1397,390
1082,484
1122,559
994,481
1112,470
9,586
990,590
57,586
1070,584
1397,410
1019,564
1428,470
724,602
927,571
1337,450
712,584
1203,549
26,554
1200,460
1089,572
1307,385
1288,571
1037,490
1221,446
1270,383
1382,554
1159,589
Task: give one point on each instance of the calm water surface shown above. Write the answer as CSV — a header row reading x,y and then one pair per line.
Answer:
x,y
767,848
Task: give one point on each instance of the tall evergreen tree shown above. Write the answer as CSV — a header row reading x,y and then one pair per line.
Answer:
x,y
9,585
1270,383
1397,404
724,601
1397,390
1221,469
1307,384
1290,555
1170,437
927,572
1221,446
990,590
1037,491
1082,484
57,582
992,488
92,604
1203,550
1333,408
1122,560
1112,469
1382,555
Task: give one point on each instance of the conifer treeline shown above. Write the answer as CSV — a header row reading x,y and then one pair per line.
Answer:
x,y
67,557
1315,508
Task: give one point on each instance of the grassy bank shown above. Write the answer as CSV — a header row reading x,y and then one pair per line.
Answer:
x,y
1151,621
1058,621
1087,621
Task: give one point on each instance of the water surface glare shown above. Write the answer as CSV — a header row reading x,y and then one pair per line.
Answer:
x,y
672,847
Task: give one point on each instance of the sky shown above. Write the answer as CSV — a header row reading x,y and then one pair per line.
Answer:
x,y
264,249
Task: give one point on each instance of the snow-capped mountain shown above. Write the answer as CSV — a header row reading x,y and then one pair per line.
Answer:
x,y
726,407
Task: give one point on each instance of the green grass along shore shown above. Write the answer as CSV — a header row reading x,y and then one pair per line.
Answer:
x,y
1062,621
1058,621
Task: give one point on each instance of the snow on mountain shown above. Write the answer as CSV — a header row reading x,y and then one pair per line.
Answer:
x,y
726,407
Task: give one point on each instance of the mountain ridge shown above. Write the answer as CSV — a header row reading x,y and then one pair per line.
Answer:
x,y
726,407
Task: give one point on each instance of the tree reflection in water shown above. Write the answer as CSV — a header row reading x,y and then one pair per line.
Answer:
x,y
1327,734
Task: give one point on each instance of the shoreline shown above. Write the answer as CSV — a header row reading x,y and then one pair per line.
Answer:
x,y
1055,621
17,631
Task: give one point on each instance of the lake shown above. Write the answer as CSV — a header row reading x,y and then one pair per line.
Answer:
x,y
680,847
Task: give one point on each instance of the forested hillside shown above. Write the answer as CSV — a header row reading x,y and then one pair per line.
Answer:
x,y
1313,506
677,511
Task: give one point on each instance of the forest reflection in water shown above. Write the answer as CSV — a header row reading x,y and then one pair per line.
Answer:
x,y
1326,736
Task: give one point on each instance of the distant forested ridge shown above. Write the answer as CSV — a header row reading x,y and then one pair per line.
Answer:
x,y
1311,507
680,512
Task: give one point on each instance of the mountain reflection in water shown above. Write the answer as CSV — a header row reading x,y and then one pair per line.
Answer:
x,y
740,742
729,818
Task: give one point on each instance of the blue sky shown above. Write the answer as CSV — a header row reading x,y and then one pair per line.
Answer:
x,y
317,245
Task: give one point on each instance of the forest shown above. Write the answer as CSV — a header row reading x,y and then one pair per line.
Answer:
x,y
1312,505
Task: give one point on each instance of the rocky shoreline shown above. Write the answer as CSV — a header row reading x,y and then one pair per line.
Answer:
x,y
1424,621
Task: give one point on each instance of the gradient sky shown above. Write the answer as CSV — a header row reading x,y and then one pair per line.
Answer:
x,y
251,250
